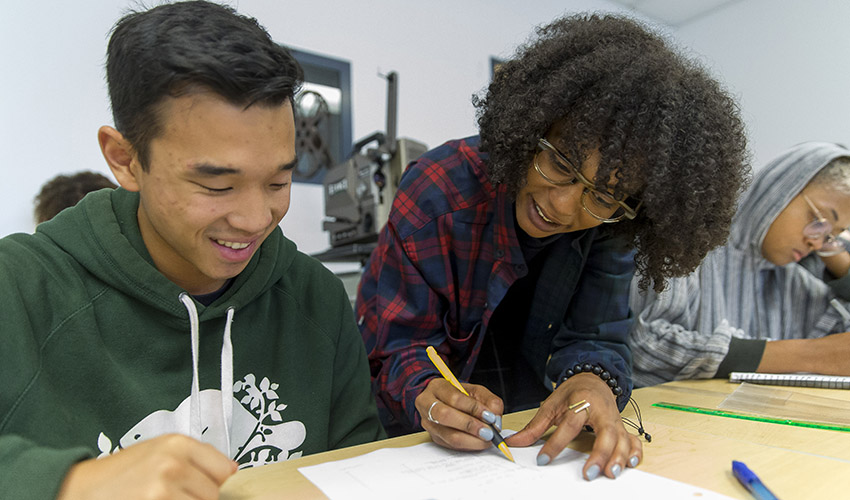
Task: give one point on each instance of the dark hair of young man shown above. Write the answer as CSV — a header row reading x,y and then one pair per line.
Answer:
x,y
65,191
179,48
661,123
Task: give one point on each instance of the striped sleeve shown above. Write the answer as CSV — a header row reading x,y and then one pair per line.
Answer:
x,y
662,348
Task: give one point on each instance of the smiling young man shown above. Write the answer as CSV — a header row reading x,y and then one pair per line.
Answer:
x,y
160,335
512,252
774,298
217,184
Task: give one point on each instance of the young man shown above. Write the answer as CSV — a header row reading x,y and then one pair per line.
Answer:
x,y
511,253
169,328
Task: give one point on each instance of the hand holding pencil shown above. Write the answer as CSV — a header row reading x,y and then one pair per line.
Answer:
x,y
459,417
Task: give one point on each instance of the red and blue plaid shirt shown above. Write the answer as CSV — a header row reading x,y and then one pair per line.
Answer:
x,y
444,262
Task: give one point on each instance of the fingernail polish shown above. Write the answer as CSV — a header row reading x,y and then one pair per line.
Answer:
x,y
615,470
593,472
543,459
486,433
498,423
634,461
488,416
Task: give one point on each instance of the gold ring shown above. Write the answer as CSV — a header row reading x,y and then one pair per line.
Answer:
x,y
432,419
583,401
581,405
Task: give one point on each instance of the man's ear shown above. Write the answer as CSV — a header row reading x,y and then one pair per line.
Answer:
x,y
120,156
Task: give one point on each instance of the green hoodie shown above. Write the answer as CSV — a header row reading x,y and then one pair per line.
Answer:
x,y
96,352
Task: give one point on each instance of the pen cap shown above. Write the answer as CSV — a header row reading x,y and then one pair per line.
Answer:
x,y
742,472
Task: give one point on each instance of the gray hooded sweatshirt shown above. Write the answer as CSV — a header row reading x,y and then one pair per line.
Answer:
x,y
718,318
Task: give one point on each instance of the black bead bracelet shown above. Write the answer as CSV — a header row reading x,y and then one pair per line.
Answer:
x,y
598,371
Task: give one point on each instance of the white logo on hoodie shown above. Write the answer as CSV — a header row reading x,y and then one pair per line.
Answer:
x,y
258,436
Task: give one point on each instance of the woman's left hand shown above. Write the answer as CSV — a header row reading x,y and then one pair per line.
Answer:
x,y
614,448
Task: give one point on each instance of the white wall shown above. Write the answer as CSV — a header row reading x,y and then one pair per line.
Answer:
x,y
53,95
786,61
789,65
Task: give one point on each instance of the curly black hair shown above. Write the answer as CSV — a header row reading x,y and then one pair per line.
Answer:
x,y
664,127
65,191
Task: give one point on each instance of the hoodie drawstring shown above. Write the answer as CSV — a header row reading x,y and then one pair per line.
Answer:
x,y
195,424
227,379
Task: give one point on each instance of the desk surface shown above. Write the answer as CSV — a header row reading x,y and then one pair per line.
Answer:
x,y
698,449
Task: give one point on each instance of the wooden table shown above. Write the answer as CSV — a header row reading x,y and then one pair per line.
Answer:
x,y
795,462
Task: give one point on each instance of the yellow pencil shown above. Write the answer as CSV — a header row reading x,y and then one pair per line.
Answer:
x,y
448,375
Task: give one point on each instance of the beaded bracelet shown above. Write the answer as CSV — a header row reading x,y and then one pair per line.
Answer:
x,y
596,370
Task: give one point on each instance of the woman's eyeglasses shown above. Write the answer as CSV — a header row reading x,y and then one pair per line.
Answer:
x,y
560,171
821,229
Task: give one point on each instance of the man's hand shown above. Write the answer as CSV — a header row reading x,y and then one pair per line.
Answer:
x,y
459,421
614,448
167,467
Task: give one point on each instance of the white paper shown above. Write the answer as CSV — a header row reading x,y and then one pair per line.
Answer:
x,y
430,472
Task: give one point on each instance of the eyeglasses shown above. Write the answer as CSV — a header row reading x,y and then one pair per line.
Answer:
x,y
820,228
560,171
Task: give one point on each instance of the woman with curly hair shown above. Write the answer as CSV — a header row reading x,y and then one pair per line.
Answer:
x,y
769,298
601,150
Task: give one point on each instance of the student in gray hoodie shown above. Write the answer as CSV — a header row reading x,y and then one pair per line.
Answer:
x,y
767,300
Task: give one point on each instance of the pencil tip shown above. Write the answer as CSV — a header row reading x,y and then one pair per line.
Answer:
x,y
504,448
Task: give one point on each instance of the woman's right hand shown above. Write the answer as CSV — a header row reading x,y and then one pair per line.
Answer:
x,y
455,420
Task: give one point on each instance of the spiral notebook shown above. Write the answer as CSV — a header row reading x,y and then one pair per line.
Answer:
x,y
792,379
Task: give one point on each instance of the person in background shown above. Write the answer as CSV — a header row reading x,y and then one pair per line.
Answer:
x,y
157,336
65,191
512,252
765,301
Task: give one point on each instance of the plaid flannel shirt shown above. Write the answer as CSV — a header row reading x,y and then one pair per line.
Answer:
x,y
443,263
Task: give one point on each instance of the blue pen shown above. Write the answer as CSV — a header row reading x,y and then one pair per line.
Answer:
x,y
751,482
